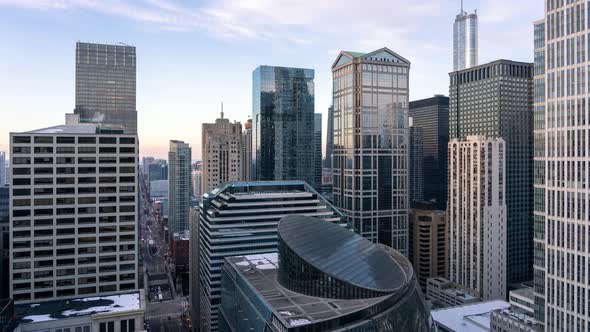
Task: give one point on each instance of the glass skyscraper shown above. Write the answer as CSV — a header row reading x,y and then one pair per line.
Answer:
x,y
283,125
370,152
465,40
179,186
106,84
329,138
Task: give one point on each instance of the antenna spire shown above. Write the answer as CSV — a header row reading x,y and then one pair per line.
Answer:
x,y
222,109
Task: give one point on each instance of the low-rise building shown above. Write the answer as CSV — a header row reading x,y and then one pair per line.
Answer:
x,y
520,316
445,293
474,317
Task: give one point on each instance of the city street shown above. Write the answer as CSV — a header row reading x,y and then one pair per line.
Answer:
x,y
164,308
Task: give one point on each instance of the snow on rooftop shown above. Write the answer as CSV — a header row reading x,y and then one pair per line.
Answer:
x,y
123,302
39,318
467,318
299,321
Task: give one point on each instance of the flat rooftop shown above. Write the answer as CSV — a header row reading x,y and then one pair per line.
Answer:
x,y
54,310
470,317
293,309
82,128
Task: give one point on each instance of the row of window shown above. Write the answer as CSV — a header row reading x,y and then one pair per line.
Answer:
x,y
72,292
72,140
71,191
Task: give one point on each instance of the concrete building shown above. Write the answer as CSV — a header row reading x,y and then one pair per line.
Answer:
x,y
370,156
473,317
74,213
432,115
222,146
106,85
416,163
179,185
241,218
428,242
465,40
519,317
323,269
495,100
116,313
444,293
283,124
3,177
477,216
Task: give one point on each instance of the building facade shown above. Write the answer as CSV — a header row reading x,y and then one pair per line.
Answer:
x,y
495,100
74,218
4,242
329,138
283,124
158,170
432,115
179,186
317,148
416,163
444,293
465,40
370,153
428,242
106,85
323,267
241,218
477,216
222,147
3,177
247,151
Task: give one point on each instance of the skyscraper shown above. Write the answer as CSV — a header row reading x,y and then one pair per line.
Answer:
x,y
179,186
562,161
241,218
432,115
477,216
105,85
222,146
4,241
370,156
329,138
465,40
3,179
283,124
74,209
317,147
495,100
416,163
247,150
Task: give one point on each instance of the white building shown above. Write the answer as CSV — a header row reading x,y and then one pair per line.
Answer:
x,y
477,216
73,220
475,317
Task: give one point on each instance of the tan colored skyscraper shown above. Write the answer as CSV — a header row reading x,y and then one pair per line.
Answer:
x,y
223,153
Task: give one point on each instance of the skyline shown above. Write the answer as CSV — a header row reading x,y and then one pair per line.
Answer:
x,y
186,68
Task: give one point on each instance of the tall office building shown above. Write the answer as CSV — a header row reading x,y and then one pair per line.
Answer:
x,y
477,216
416,163
74,213
283,124
222,146
241,218
247,151
3,178
105,85
432,115
370,156
157,170
562,161
317,148
465,40
329,138
179,186
495,100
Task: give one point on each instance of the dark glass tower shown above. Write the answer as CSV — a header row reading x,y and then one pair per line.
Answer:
x,y
283,125
416,164
495,100
432,115
105,85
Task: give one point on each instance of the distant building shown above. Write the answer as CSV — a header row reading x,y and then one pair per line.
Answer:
x,y
329,139
416,164
3,177
520,316
465,40
158,170
473,317
179,185
159,189
74,223
428,242
4,242
283,124
317,146
444,293
495,100
323,283
106,85
247,150
222,147
432,115
241,218
179,249
370,157
194,268
196,177
122,312
477,216
145,165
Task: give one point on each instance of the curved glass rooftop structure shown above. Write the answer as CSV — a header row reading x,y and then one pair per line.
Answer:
x,y
324,278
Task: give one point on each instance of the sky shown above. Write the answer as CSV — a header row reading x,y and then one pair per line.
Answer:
x,y
192,55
